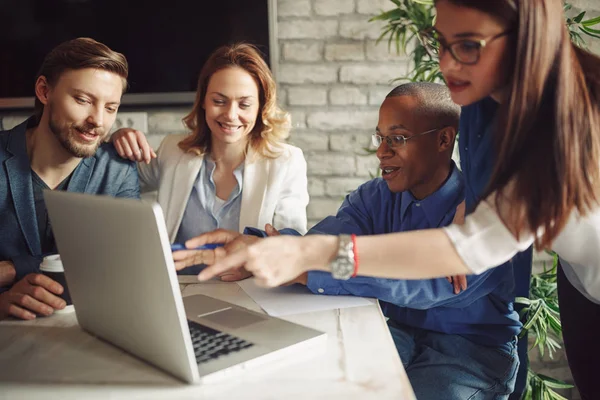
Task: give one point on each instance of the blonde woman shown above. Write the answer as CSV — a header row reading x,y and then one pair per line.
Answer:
x,y
233,170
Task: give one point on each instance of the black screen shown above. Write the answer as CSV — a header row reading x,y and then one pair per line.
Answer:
x,y
165,42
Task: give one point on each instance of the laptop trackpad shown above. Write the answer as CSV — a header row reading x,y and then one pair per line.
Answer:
x,y
233,318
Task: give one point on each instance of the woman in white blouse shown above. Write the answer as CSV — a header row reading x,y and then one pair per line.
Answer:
x,y
234,169
530,153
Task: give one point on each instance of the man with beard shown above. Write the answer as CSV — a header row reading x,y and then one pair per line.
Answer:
x,y
78,91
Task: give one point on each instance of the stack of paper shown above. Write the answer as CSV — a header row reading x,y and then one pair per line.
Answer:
x,y
297,299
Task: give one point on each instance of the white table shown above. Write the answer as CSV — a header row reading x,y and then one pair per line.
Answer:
x,y
52,358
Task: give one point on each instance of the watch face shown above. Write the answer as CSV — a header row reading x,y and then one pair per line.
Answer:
x,y
342,268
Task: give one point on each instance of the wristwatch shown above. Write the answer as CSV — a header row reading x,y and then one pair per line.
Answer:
x,y
342,266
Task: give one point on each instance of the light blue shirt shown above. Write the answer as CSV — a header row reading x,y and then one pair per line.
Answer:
x,y
200,215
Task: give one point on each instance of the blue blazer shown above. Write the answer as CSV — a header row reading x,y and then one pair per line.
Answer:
x,y
105,173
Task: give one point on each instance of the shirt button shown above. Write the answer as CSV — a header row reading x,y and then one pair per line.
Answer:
x,y
320,290
418,204
466,148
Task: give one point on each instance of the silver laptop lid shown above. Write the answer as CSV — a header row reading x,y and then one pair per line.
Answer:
x,y
125,295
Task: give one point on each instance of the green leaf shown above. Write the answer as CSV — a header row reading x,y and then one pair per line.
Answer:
x,y
591,32
554,383
523,300
579,17
591,22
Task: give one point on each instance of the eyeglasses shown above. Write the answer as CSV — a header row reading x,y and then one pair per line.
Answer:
x,y
465,51
395,141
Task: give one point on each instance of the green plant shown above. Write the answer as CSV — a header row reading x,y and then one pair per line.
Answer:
x,y
403,25
540,315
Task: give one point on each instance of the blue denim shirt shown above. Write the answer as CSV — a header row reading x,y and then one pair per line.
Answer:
x,y
477,159
483,313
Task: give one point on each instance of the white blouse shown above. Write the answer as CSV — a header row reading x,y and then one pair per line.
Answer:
x,y
484,242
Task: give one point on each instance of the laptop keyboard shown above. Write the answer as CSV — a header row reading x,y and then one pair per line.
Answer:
x,y
210,344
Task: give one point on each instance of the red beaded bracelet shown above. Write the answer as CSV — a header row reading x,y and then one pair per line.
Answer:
x,y
355,252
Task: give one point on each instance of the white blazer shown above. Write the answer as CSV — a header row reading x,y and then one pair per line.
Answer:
x,y
274,191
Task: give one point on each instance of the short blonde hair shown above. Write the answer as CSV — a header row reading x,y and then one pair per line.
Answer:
x,y
273,125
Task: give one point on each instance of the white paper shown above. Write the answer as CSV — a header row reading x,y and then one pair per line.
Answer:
x,y
297,299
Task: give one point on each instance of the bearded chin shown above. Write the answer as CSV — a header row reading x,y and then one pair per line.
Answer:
x,y
68,143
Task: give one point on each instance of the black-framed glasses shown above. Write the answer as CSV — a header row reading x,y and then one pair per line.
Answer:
x,y
395,141
465,51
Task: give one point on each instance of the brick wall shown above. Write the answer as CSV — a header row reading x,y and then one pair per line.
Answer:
x,y
333,77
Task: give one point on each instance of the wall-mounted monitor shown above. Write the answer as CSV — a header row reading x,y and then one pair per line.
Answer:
x,y
165,42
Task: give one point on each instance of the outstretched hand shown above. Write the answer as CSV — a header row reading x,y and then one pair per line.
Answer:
x,y
277,260
234,241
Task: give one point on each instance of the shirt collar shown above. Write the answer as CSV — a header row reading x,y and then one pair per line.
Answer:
x,y
441,202
238,173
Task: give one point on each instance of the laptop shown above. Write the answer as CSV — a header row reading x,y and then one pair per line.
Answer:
x,y
122,279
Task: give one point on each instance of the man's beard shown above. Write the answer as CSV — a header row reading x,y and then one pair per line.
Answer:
x,y
76,149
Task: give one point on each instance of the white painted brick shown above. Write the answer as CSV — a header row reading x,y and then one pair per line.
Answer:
x,y
293,8
309,141
351,142
12,120
382,52
345,52
347,96
307,29
320,208
333,7
166,122
340,187
303,52
282,97
360,29
316,187
347,119
298,119
371,74
367,166
293,73
377,94
594,44
323,164
592,6
307,96
456,155
155,140
373,7
312,222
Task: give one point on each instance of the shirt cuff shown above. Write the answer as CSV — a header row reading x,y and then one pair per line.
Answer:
x,y
320,282
483,241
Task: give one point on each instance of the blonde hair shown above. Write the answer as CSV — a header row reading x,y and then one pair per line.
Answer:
x,y
273,125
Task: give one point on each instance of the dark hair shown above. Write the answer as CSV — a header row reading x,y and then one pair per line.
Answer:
x,y
79,53
272,125
547,133
435,103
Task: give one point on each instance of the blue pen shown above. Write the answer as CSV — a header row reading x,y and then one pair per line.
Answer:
x,y
209,246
